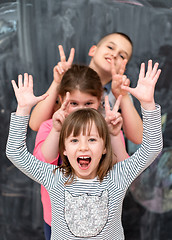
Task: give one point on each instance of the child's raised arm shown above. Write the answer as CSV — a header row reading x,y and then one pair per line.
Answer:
x,y
45,109
145,88
114,122
131,118
16,149
24,95
50,147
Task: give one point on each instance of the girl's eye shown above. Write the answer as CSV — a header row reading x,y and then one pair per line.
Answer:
x,y
73,103
92,140
88,103
74,140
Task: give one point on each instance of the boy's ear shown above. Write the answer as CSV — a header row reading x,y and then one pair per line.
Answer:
x,y
92,51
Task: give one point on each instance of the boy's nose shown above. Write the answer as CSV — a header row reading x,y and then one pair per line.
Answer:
x,y
114,54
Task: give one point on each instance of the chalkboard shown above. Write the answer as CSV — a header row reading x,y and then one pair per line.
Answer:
x,y
30,32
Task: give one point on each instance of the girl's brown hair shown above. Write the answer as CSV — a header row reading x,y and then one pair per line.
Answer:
x,y
82,78
81,121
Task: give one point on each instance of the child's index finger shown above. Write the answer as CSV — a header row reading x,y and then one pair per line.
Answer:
x,y
117,104
122,67
71,56
113,70
154,70
107,105
66,102
149,69
142,71
62,54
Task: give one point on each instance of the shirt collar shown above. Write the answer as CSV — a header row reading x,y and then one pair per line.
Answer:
x,y
107,87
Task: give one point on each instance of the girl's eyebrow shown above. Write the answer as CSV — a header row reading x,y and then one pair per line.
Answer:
x,y
122,49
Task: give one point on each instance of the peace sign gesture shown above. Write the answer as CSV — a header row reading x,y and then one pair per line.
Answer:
x,y
63,65
119,79
113,117
60,115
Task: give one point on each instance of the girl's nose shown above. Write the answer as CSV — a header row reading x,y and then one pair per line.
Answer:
x,y
83,146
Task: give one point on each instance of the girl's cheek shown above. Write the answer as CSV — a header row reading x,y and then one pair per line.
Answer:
x,y
70,109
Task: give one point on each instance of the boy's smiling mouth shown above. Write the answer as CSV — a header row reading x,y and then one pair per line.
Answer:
x,y
84,162
108,59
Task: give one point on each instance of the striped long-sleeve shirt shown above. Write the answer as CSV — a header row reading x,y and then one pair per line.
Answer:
x,y
86,209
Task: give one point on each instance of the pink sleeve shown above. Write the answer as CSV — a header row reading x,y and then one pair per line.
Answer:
x,y
42,134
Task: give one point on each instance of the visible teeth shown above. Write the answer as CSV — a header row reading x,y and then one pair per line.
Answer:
x,y
83,157
109,60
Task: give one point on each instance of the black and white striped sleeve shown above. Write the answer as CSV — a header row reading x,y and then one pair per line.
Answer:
x,y
152,144
17,153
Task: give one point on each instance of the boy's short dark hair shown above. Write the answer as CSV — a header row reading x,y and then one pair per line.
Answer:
x,y
120,33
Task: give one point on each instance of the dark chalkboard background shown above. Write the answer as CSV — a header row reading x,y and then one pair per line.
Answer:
x,y
30,32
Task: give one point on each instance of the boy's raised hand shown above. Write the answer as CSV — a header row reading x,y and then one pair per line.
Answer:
x,y
119,79
24,94
63,65
145,88
113,117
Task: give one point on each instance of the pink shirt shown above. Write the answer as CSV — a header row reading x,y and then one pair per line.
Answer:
x,y
42,134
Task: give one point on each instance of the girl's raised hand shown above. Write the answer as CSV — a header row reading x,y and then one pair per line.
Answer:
x,y
24,94
113,117
60,115
145,88
63,65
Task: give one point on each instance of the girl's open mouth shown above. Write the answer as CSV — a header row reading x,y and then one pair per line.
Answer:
x,y
84,162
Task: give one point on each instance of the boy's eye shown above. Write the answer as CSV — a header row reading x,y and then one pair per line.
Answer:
x,y
110,47
122,56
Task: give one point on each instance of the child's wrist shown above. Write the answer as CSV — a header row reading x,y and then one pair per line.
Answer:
x,y
55,130
148,105
56,82
23,111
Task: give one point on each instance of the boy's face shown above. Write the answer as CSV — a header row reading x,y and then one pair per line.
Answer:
x,y
113,46
84,152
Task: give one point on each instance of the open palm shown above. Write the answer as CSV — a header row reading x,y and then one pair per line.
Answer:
x,y
144,90
24,92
